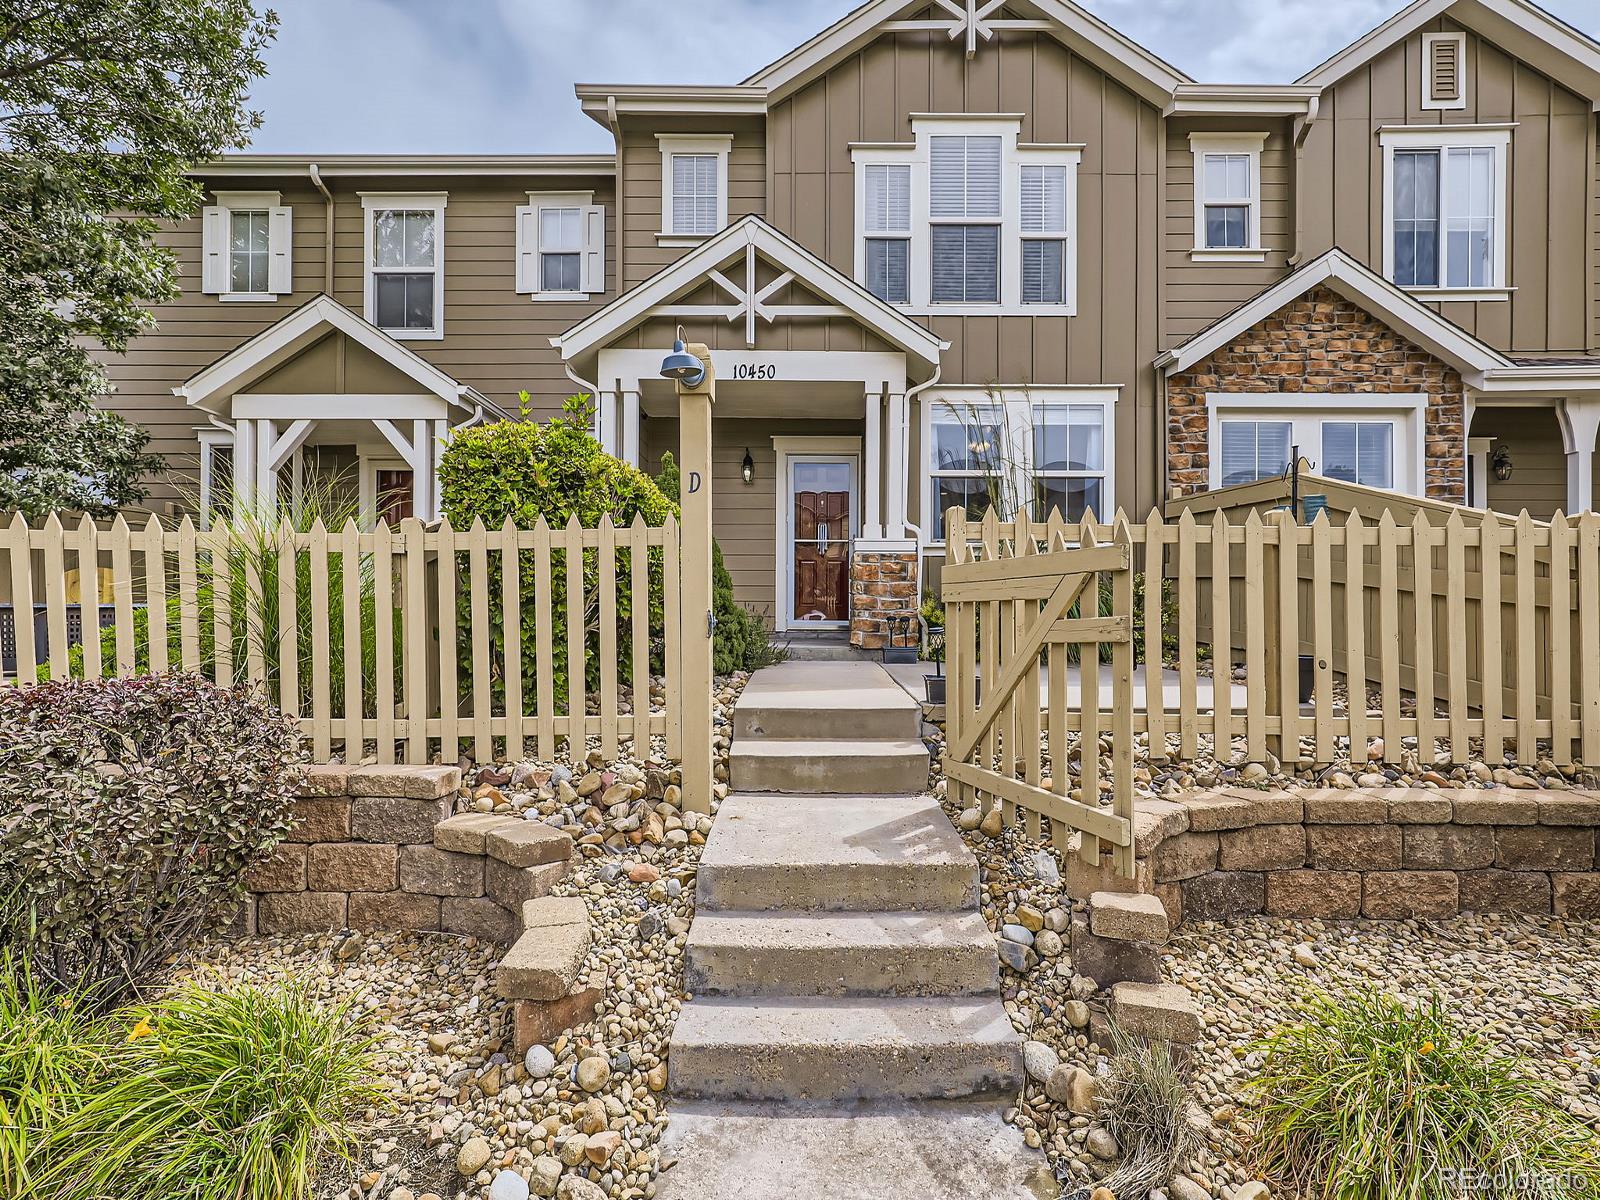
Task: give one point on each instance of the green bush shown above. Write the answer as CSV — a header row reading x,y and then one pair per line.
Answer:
x,y
208,1095
741,642
524,471
1364,1097
130,810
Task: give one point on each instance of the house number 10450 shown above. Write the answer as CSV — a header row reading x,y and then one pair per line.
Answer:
x,y
754,371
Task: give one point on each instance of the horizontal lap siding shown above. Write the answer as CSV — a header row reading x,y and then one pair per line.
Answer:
x,y
1113,339
1538,480
1550,160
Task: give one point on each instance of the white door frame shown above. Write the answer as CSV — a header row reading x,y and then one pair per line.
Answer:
x,y
788,450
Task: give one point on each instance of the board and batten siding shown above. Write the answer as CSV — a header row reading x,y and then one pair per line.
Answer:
x,y
870,96
1550,158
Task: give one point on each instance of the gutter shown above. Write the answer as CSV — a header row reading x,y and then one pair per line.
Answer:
x,y
1300,136
327,230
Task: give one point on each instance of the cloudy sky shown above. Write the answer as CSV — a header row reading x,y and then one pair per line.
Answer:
x,y
496,76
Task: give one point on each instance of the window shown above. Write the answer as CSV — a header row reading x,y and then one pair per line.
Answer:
x,y
888,226
1444,60
216,473
1034,450
1443,208
405,264
694,186
247,247
1227,189
1372,440
966,219
1044,234
561,246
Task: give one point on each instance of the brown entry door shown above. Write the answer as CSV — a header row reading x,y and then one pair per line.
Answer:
x,y
822,514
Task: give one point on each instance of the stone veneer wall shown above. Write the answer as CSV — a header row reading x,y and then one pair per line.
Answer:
x,y
883,584
1388,853
1319,342
362,855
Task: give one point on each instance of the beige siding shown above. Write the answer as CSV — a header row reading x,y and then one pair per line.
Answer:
x,y
1550,160
1113,339
1538,480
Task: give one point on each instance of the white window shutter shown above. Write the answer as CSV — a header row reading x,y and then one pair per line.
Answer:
x,y
214,250
594,249
280,245
527,248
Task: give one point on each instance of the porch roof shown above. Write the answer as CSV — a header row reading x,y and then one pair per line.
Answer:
x,y
750,235
280,342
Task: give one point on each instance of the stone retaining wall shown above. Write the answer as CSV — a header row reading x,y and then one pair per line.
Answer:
x,y
1388,853
365,854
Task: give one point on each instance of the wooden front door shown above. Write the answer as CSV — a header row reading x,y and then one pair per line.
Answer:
x,y
822,520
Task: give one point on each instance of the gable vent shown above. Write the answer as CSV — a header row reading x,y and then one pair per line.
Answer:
x,y
1442,57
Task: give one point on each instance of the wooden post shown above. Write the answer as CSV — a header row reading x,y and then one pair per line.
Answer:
x,y
694,445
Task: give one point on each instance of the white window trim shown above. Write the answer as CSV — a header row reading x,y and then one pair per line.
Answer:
x,y
683,143
1250,145
373,202
211,440
228,202
1407,410
538,200
369,461
1443,138
1016,402
1460,101
1014,155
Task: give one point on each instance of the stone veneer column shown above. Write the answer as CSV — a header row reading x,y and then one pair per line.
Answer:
x,y
883,584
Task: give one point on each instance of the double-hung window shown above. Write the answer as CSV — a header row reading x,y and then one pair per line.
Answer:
x,y
1069,460
405,264
1227,196
888,230
966,459
561,246
964,207
1044,234
1444,207
247,251
694,186
1372,440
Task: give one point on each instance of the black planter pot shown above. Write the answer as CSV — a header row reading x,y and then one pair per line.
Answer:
x,y
935,684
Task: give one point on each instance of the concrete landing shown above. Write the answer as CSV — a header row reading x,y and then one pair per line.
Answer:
x,y
824,700
929,1151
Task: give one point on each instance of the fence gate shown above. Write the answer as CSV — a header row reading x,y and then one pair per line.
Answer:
x,y
1025,631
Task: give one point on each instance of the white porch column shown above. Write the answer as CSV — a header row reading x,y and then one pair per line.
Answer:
x,y
441,435
421,472
1580,421
899,447
266,476
872,481
608,422
630,426
244,467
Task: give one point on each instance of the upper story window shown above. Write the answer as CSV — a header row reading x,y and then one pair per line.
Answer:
x,y
1444,70
404,259
967,220
1444,209
247,251
561,246
694,186
1227,196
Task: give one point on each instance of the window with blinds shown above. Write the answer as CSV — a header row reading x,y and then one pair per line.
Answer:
x,y
1044,234
964,206
888,229
1253,450
695,203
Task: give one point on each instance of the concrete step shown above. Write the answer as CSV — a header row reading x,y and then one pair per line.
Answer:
x,y
825,700
835,854
800,1050
951,1150
816,650
821,765
841,954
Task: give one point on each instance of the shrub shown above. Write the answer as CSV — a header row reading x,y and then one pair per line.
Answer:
x,y
1365,1096
218,1095
742,641
130,810
522,471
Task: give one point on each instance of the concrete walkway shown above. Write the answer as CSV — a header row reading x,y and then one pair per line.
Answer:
x,y
910,676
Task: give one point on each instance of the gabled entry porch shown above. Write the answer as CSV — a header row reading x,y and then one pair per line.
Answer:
x,y
816,379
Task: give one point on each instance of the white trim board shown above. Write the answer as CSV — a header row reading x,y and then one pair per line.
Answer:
x,y
1410,465
786,448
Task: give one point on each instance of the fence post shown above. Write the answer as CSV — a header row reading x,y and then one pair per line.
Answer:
x,y
694,443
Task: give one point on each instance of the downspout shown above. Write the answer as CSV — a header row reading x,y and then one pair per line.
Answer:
x,y
616,180
327,230
1306,122
905,440
594,392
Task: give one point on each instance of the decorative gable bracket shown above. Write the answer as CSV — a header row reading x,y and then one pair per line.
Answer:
x,y
972,19
749,302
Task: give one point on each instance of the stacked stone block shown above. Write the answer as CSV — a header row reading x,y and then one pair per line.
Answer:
x,y
1117,942
883,586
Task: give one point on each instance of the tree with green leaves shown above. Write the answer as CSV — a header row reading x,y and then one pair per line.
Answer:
x,y
104,107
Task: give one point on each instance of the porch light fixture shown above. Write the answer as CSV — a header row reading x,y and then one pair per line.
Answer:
x,y
747,468
1500,462
683,366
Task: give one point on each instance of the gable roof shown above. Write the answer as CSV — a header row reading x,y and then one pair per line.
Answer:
x,y
1525,30
672,281
313,320
1363,287
1123,59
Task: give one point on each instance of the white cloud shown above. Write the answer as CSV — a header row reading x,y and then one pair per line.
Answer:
x,y
442,76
